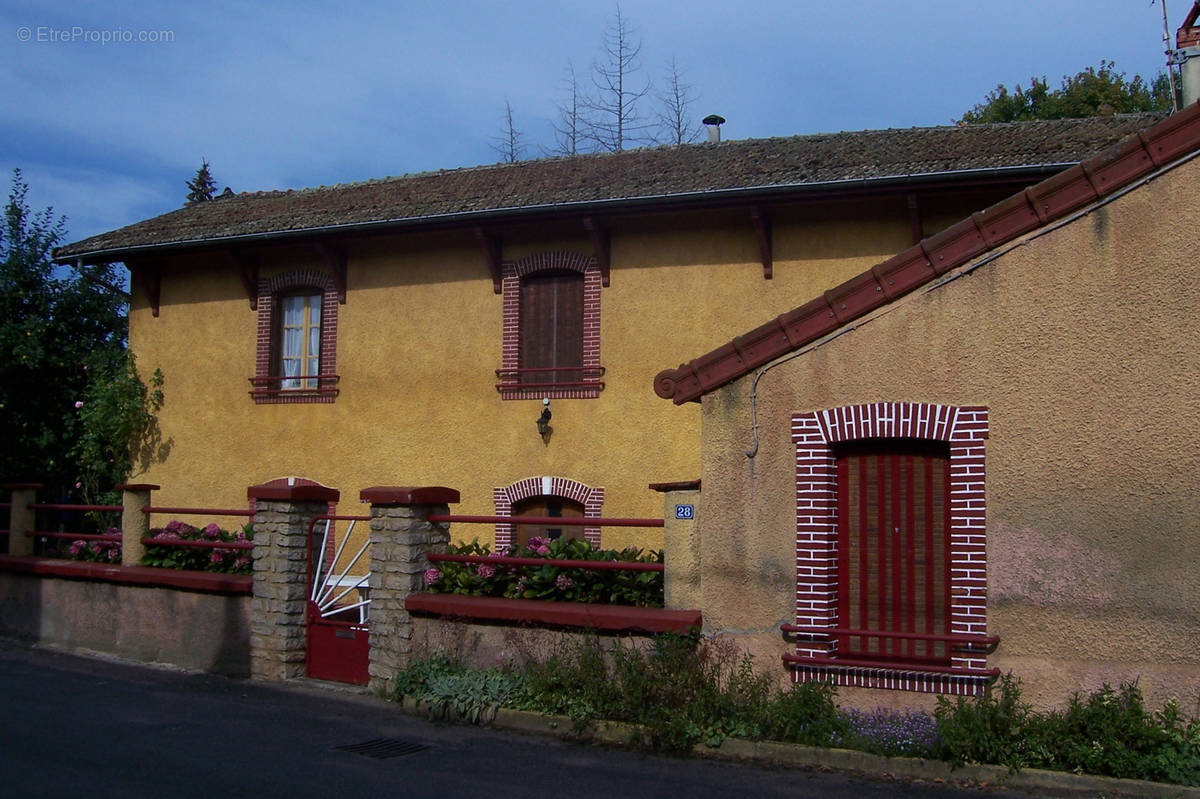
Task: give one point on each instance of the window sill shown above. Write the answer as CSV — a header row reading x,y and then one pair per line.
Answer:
x,y
266,390
518,384
522,391
894,675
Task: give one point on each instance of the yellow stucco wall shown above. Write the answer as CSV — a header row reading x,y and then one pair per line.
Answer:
x,y
419,340
1082,342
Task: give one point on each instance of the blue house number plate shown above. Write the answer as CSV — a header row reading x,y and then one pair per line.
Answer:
x,y
685,511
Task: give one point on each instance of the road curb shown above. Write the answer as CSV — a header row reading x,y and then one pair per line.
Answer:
x,y
800,756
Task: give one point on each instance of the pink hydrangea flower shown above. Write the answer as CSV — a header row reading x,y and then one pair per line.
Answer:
x,y
485,571
76,547
535,542
241,563
215,557
78,404
212,532
432,576
543,550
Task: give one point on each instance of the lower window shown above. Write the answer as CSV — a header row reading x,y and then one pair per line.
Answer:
x,y
893,547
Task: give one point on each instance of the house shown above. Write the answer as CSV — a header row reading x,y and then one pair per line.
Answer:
x,y
413,330
991,434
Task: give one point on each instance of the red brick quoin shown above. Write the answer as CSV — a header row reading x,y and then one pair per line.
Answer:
x,y
965,429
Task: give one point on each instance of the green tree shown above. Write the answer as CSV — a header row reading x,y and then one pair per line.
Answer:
x,y
1092,92
201,187
63,335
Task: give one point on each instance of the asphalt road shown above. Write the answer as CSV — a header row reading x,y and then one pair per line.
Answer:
x,y
80,727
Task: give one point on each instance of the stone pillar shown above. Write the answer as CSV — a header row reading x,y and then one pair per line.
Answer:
x,y
282,515
402,537
135,524
681,545
20,517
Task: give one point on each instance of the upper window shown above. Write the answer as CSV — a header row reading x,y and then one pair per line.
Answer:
x,y
551,352
297,339
551,344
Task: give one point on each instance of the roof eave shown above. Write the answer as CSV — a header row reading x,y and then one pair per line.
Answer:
x,y
664,202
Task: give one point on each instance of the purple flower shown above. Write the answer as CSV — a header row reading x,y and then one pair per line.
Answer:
x,y
241,563
432,576
212,532
485,571
114,554
543,550
175,526
76,547
563,582
78,404
215,557
535,542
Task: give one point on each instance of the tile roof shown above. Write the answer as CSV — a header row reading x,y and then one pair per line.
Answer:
x,y
750,167
1102,175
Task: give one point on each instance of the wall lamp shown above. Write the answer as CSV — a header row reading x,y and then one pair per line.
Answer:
x,y
543,421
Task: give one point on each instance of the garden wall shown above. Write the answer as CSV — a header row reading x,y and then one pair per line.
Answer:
x,y
191,620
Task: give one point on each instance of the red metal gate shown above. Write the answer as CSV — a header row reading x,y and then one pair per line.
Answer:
x,y
338,603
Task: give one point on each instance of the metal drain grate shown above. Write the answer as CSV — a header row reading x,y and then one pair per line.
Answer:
x,y
383,748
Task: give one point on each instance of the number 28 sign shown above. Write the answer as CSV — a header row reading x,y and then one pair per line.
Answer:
x,y
685,511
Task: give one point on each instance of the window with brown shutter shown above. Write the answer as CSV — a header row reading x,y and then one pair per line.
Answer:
x,y
551,350
893,548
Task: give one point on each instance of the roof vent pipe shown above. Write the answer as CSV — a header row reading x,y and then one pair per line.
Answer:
x,y
714,123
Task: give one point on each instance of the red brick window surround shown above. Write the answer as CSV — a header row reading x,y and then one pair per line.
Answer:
x,y
268,385
545,290
913,430
504,498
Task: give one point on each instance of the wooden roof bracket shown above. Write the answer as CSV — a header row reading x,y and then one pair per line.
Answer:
x,y
916,223
762,230
335,259
601,246
493,248
148,276
246,264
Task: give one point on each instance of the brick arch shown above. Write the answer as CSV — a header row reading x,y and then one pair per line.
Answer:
x,y
504,498
815,435
555,260
268,290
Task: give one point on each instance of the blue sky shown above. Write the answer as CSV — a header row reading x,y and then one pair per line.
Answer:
x,y
302,94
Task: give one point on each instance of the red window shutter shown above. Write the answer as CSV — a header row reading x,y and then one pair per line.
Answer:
x,y
551,327
893,547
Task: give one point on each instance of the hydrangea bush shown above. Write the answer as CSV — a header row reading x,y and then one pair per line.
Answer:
x,y
225,561
550,582
97,551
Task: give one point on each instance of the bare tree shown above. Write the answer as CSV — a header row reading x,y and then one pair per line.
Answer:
x,y
675,124
570,127
613,116
510,144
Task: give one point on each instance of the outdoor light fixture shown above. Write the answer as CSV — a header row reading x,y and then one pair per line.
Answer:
x,y
543,421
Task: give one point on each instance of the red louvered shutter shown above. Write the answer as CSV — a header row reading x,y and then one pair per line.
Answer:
x,y
893,547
